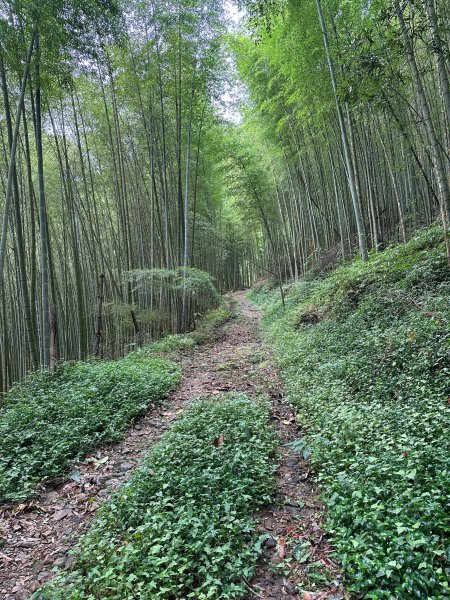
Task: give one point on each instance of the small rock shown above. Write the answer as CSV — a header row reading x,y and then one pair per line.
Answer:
x,y
62,514
59,562
17,588
112,483
289,588
22,557
33,587
51,497
69,562
67,531
138,427
126,466
78,518
27,543
270,543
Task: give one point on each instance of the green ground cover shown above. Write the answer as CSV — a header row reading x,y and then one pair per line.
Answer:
x,y
52,419
364,355
182,527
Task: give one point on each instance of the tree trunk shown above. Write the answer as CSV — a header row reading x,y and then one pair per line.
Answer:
x,y
12,159
53,337
44,241
345,142
439,55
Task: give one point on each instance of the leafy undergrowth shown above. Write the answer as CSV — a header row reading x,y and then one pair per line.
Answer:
x,y
170,345
182,526
174,345
364,354
213,320
52,419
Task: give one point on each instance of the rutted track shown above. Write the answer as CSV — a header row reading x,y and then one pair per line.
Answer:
x,y
39,534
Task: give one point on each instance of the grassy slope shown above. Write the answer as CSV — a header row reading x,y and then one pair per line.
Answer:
x,y
364,354
182,527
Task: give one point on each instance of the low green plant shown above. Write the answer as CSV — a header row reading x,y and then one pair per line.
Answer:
x,y
174,344
52,419
370,380
198,285
182,527
171,344
212,321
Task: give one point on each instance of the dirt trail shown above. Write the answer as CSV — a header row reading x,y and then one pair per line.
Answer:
x,y
38,535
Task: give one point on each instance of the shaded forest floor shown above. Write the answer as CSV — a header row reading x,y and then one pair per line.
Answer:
x,y
39,534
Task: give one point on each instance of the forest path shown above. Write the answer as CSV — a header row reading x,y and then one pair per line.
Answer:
x,y
38,535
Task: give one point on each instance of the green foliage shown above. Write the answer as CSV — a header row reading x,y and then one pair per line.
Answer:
x,y
70,31
212,321
369,375
174,344
196,283
168,345
52,419
182,527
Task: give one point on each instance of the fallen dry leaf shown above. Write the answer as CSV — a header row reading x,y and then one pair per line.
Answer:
x,y
19,509
281,549
219,441
325,562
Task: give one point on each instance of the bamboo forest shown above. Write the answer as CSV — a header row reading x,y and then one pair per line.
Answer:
x,y
224,299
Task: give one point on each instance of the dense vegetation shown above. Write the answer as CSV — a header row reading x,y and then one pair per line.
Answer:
x,y
52,419
155,154
347,131
144,140
364,354
182,527
111,194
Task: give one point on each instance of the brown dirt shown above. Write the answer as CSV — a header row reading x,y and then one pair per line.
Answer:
x,y
38,535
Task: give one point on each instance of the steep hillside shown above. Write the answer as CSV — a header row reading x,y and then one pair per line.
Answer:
x,y
364,354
